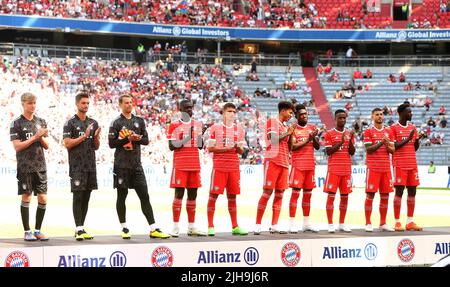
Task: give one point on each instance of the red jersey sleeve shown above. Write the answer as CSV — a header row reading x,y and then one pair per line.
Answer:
x,y
367,135
170,132
327,140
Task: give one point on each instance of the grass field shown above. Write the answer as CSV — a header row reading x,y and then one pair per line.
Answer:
x,y
432,209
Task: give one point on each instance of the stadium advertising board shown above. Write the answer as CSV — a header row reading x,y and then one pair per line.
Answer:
x,y
203,32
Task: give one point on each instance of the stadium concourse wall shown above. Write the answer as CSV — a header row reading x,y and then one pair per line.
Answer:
x,y
251,176
219,33
328,252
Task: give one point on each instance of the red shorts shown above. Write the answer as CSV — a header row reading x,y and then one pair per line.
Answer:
x,y
302,179
334,181
406,177
378,181
275,176
223,179
185,178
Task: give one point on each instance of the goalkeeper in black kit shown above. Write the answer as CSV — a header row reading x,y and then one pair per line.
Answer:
x,y
126,134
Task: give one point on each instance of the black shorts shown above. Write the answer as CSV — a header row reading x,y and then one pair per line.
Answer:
x,y
129,178
83,181
32,182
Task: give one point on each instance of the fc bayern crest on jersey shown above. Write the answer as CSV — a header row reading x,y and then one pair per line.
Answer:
x,y
162,257
136,125
17,259
290,254
406,250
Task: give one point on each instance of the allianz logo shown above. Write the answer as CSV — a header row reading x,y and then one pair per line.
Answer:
x,y
369,252
116,259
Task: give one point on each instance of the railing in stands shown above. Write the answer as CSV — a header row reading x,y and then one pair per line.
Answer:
x,y
386,61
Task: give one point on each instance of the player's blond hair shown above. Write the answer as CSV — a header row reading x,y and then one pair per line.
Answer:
x,y
27,97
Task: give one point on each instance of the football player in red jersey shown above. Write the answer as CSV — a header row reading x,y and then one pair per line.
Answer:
x,y
276,164
379,144
407,142
185,139
227,141
339,146
302,144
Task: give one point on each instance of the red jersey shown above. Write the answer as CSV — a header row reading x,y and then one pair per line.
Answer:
x,y
404,157
186,157
379,160
222,136
340,162
278,153
303,158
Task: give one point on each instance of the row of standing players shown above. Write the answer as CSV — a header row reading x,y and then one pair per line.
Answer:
x,y
227,141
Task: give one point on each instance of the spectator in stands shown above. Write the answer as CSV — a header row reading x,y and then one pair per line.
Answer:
x,y
277,94
443,7
428,102
320,69
415,24
364,7
357,74
392,78
237,67
368,74
348,106
432,87
431,167
443,122
340,16
390,121
329,53
150,54
350,53
253,65
257,93
334,77
408,87
140,53
431,122
417,86
157,49
292,85
442,111
286,85
328,69
402,78
426,24
169,63
184,51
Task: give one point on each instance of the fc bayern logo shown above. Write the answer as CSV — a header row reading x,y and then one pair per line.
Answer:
x,y
17,259
290,254
406,250
162,257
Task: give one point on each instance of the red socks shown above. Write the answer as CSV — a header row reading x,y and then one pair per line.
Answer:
x,y
397,206
211,209
293,202
343,209
384,202
176,209
368,209
276,207
306,203
262,206
232,209
190,208
330,207
410,203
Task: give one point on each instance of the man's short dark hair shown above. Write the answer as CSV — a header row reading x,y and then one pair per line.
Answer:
x,y
124,96
80,96
228,105
299,107
376,110
183,102
402,107
285,105
339,111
